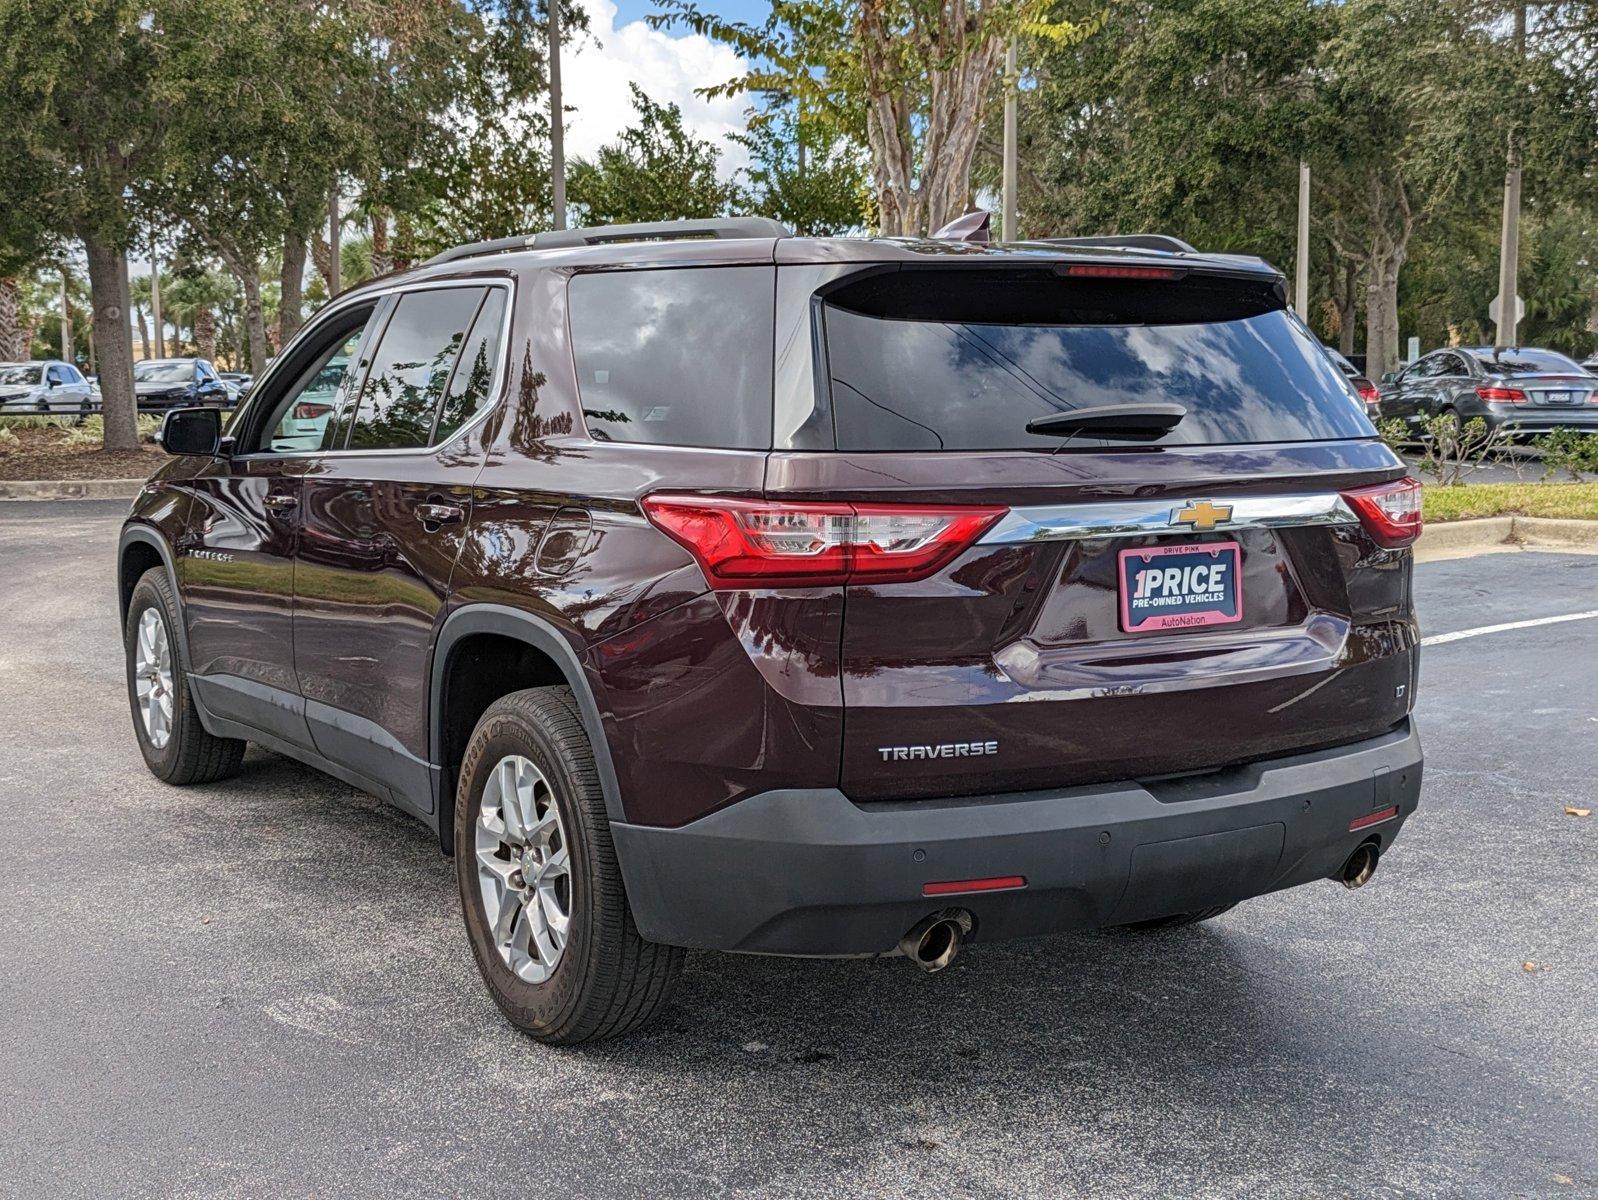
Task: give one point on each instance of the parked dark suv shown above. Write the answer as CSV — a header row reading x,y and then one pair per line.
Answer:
x,y
704,586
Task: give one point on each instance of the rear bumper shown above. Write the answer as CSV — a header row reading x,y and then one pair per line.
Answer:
x,y
1525,423
812,873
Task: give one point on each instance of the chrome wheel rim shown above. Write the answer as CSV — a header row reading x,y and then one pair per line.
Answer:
x,y
152,678
524,869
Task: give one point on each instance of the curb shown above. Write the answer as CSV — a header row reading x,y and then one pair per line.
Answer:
x,y
1491,535
69,489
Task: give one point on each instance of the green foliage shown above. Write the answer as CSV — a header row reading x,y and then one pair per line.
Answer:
x,y
1396,433
1451,447
655,171
1570,451
809,177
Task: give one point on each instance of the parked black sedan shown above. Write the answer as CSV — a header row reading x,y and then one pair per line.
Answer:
x,y
163,383
1520,390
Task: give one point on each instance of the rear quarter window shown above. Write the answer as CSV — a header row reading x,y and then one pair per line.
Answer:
x,y
963,360
677,357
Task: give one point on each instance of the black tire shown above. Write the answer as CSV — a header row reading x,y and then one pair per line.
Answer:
x,y
608,980
190,754
1176,920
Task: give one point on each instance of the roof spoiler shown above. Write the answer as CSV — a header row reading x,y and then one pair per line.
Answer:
x,y
1162,242
598,235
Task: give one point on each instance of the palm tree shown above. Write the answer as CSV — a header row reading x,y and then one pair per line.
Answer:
x,y
139,297
199,295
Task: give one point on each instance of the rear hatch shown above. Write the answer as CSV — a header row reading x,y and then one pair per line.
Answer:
x,y
1117,609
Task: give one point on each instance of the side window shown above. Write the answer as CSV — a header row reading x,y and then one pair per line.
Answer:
x,y
412,368
679,357
470,390
307,412
56,375
1452,366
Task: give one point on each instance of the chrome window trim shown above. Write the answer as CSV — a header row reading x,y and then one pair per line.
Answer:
x,y
334,307
1141,518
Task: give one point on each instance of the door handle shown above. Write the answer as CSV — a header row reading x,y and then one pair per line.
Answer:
x,y
440,514
281,501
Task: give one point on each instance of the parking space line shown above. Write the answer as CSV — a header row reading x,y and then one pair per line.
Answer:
x,y
1437,639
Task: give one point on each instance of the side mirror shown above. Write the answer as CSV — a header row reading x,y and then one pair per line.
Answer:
x,y
244,389
191,431
1390,377
53,384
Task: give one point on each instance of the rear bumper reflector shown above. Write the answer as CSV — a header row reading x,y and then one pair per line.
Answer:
x,y
953,887
1375,818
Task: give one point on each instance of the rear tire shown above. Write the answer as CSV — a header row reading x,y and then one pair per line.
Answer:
x,y
176,747
540,888
1176,920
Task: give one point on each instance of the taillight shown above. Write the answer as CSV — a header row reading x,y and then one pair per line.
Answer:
x,y
1370,393
1390,512
1502,395
309,410
758,543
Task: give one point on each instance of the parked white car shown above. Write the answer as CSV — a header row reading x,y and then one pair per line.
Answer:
x,y
47,387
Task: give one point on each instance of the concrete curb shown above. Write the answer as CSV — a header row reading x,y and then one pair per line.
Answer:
x,y
69,489
1492,535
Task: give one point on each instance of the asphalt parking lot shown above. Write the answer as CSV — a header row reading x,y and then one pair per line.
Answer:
x,y
261,987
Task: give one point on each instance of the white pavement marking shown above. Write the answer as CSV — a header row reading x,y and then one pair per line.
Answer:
x,y
1437,639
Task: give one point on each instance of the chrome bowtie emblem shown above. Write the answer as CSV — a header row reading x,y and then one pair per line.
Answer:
x,y
1202,515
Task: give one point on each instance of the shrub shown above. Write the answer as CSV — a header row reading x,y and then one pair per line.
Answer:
x,y
1567,450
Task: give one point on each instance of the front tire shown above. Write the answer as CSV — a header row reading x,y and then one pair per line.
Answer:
x,y
176,747
540,888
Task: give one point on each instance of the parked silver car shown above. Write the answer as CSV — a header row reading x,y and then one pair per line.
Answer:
x,y
44,387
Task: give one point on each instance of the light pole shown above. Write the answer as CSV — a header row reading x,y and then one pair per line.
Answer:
x,y
1010,230
1508,320
1301,267
557,130
155,299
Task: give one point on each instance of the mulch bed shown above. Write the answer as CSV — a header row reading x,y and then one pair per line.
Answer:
x,y
42,454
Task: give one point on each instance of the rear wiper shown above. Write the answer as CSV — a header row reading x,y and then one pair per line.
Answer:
x,y
1134,422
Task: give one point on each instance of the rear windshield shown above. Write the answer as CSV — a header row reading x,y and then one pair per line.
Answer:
x,y
963,360
1527,362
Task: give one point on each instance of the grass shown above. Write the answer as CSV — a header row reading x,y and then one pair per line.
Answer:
x,y
1579,500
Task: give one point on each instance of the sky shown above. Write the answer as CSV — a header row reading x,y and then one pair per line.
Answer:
x,y
621,48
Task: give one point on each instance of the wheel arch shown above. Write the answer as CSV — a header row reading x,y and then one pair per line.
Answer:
x,y
140,549
548,657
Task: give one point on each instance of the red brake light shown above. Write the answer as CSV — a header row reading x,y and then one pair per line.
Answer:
x,y
1370,393
1106,271
758,543
1502,395
309,410
1390,512
955,887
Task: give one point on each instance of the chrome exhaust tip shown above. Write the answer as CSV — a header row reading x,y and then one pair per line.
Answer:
x,y
933,941
1359,868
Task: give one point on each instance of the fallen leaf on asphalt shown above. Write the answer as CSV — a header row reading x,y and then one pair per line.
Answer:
x,y
1572,811
1528,966
1565,1179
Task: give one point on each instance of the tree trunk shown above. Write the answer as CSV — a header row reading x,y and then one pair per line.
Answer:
x,y
144,331
1381,315
254,319
382,263
291,305
113,338
205,333
322,260
11,348
1346,295
404,241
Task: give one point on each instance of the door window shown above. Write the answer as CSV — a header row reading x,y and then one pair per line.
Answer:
x,y
306,419
471,388
412,368
58,375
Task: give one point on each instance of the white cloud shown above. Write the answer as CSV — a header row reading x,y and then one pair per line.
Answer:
x,y
668,68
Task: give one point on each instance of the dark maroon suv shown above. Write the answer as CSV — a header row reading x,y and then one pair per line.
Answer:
x,y
704,586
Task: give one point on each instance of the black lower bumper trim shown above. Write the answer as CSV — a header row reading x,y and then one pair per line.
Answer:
x,y
812,873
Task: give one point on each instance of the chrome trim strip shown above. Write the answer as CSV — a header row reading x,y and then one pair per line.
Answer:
x,y
1141,518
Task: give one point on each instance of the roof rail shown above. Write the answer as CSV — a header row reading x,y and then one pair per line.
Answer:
x,y
598,235
1128,241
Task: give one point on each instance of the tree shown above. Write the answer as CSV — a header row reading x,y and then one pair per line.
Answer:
x,y
91,89
654,171
912,80
807,176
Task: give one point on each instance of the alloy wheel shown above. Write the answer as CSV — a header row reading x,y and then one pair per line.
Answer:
x,y
152,677
524,868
